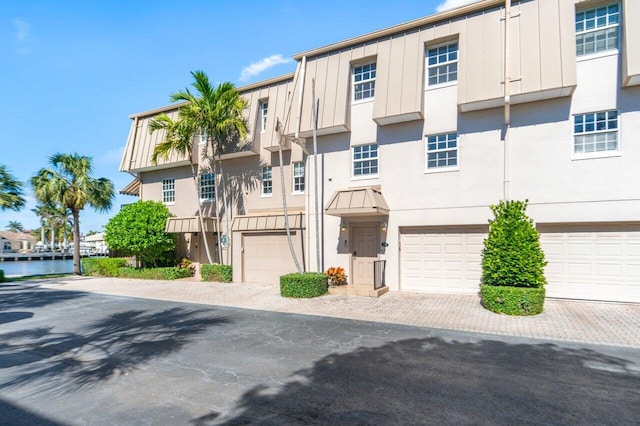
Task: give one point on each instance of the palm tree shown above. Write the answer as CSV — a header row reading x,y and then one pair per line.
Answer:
x,y
216,112
179,138
14,226
70,184
42,212
10,191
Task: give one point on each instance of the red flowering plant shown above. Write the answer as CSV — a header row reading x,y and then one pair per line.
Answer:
x,y
336,276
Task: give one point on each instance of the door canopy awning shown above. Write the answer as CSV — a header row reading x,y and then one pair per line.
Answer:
x,y
367,201
271,222
132,189
180,225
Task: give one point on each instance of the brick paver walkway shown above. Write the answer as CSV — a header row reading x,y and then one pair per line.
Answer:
x,y
616,324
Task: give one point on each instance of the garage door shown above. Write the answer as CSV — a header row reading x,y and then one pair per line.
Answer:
x,y
445,260
596,261
266,256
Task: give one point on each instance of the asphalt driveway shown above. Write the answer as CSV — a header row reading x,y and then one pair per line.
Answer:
x,y
76,358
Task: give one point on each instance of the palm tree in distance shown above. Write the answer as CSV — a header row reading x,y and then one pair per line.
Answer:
x,y
216,112
69,184
11,196
14,226
179,138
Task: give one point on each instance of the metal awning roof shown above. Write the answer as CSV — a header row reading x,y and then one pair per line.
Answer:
x,y
179,225
366,201
267,222
132,189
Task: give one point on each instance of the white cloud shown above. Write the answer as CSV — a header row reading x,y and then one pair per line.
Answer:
x,y
262,65
22,29
452,4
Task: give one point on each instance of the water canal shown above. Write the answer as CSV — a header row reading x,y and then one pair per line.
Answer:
x,y
36,267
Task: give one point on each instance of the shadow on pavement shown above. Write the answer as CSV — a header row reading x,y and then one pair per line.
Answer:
x,y
16,416
109,347
434,381
31,296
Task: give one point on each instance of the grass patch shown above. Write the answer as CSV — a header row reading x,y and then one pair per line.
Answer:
x,y
34,277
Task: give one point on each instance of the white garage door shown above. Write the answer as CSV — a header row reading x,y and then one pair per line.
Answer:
x,y
266,256
595,261
442,259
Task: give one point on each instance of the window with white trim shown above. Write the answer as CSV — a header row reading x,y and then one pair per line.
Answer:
x,y
442,64
365,160
298,177
267,180
597,29
168,191
364,81
207,187
264,109
595,132
442,151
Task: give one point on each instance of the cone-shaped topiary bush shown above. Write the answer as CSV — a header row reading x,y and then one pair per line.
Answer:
x,y
512,262
512,255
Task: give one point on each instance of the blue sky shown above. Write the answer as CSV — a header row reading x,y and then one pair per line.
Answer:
x,y
71,72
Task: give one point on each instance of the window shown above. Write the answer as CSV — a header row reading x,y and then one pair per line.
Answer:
x,y
442,64
207,187
597,29
267,180
298,176
442,151
364,81
203,139
168,190
264,109
595,132
365,160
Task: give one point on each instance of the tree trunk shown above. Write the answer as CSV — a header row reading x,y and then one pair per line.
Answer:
x,y
286,212
76,242
226,207
53,237
215,202
202,230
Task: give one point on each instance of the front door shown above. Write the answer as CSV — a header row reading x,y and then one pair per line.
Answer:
x,y
365,248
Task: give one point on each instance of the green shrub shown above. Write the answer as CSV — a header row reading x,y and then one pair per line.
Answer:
x,y
167,273
512,300
102,267
1,276
308,284
216,272
512,255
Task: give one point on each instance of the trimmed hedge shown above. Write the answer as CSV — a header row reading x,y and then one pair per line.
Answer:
x,y
512,300
305,285
117,267
167,273
216,272
1,276
102,267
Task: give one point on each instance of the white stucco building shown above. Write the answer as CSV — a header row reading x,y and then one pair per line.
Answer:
x,y
421,127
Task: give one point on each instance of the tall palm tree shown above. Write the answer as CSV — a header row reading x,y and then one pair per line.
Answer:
x,y
11,196
70,184
216,112
179,138
42,212
14,226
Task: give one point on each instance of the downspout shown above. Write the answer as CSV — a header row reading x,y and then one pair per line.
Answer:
x,y
507,102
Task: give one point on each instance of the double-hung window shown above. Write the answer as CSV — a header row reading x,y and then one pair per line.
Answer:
x,y
597,30
442,151
442,64
168,191
264,109
365,160
298,177
267,181
207,187
364,81
595,132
